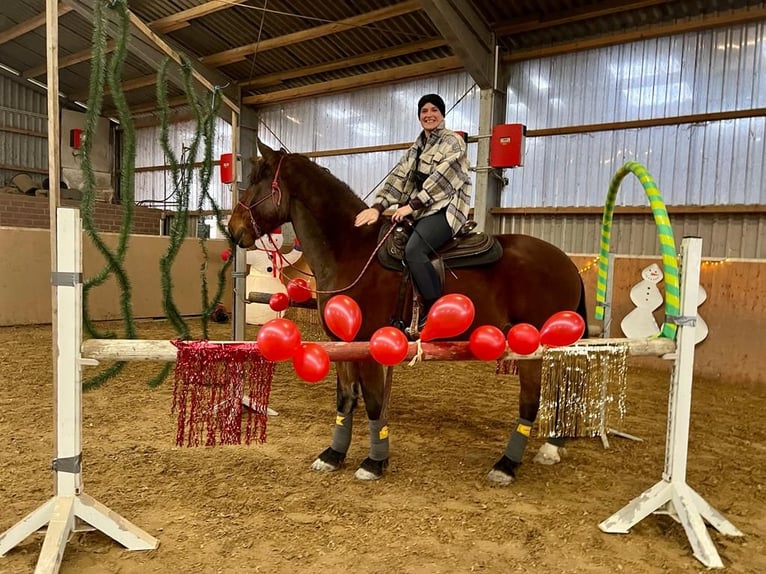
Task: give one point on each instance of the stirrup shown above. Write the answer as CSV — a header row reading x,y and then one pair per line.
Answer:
x,y
414,333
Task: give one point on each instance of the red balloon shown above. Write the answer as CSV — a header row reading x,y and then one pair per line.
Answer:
x,y
343,317
523,339
279,302
562,328
388,346
225,254
311,362
487,343
298,290
278,339
450,316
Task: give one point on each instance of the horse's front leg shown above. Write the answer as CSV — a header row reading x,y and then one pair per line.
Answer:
x,y
504,470
376,389
347,395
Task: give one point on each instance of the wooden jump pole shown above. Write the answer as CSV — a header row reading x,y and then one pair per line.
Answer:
x,y
165,351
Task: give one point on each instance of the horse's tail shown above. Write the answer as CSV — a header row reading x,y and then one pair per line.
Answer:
x,y
582,308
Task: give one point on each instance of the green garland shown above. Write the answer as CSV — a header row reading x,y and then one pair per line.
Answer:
x,y
114,258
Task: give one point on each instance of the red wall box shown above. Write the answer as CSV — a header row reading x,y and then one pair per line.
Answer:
x,y
75,138
506,147
227,168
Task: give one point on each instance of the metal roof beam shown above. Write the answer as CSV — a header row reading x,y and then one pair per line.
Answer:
x,y
241,52
468,34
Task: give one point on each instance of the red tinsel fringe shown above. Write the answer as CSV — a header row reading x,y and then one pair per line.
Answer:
x,y
507,367
211,380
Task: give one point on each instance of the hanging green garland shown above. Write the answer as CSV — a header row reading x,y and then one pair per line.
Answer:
x,y
114,258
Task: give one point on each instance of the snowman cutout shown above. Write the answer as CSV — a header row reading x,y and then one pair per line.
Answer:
x,y
266,261
646,296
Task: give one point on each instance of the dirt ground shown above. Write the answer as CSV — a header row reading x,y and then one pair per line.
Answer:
x,y
261,509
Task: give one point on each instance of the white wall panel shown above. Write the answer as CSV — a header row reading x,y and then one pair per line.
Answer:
x,y
715,163
155,189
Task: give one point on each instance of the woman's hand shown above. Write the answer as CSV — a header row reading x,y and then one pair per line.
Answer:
x,y
401,213
366,217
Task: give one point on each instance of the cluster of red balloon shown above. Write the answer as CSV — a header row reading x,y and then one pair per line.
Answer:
x,y
280,339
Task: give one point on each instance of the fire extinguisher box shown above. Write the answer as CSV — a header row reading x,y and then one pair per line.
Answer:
x,y
229,171
75,138
507,145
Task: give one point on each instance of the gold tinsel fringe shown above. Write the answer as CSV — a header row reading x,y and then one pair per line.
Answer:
x,y
583,390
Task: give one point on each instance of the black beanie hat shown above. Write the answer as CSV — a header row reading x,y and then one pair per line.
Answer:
x,y
434,99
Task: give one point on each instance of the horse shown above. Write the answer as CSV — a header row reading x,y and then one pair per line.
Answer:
x,y
531,281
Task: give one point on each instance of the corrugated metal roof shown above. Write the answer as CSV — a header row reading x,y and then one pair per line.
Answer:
x,y
348,33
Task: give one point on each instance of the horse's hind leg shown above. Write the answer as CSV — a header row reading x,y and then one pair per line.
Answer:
x,y
347,396
504,470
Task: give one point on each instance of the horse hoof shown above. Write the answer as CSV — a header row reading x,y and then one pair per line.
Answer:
x,y
499,477
503,472
371,469
329,461
548,454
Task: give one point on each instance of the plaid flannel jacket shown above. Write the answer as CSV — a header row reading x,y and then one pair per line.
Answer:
x,y
443,160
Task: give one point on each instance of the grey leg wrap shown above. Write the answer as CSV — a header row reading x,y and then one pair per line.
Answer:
x,y
341,433
378,440
518,441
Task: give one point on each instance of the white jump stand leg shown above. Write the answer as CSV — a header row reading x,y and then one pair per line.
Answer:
x,y
672,495
258,407
69,503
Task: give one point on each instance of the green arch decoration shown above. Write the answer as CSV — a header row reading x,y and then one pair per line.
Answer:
x,y
664,234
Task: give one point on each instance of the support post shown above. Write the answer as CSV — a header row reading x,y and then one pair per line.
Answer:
x,y
489,181
239,267
69,502
671,495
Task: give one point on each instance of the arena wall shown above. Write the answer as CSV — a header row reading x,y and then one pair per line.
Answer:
x,y
733,311
18,210
25,292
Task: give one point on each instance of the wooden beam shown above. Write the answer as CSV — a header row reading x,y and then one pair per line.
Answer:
x,y
165,351
181,19
739,209
278,77
66,61
150,47
731,18
430,68
569,16
172,54
241,52
28,25
127,86
468,34
151,106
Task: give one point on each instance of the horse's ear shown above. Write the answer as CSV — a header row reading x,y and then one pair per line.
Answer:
x,y
266,151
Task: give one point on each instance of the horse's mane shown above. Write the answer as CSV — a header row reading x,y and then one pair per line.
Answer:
x,y
321,178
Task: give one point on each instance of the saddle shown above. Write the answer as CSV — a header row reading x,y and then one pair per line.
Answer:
x,y
466,249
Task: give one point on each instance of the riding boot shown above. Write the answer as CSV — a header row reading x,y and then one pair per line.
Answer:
x,y
425,307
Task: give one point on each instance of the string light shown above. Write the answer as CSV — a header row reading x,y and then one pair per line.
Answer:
x,y
718,263
588,266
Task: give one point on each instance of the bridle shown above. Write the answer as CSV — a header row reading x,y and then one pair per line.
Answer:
x,y
275,196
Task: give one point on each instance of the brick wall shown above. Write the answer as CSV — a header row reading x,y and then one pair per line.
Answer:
x,y
18,210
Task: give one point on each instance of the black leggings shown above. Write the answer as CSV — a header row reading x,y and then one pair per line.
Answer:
x,y
428,235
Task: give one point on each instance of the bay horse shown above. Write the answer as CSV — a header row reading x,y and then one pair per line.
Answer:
x,y
532,280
